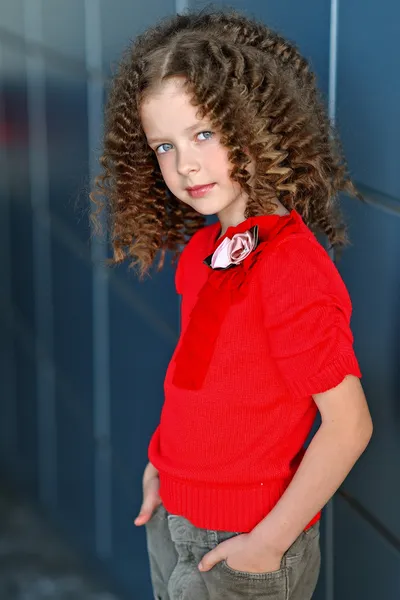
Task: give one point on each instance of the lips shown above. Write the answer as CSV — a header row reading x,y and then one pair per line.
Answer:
x,y
199,191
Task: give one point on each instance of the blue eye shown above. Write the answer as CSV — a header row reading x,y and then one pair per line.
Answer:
x,y
207,135
163,148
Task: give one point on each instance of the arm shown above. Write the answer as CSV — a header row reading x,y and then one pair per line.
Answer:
x,y
342,437
151,497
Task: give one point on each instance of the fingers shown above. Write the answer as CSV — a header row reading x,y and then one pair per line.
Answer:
x,y
151,498
146,511
211,558
151,501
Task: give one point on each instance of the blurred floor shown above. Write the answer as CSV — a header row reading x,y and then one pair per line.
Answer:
x,y
35,564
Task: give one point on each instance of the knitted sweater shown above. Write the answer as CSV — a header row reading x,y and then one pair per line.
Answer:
x,y
257,341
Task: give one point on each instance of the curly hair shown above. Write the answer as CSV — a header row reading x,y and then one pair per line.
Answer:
x,y
259,93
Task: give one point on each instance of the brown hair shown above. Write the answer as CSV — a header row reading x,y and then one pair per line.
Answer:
x,y
259,92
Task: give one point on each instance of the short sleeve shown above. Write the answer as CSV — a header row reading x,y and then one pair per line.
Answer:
x,y
307,312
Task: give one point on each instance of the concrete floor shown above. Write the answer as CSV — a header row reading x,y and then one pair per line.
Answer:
x,y
35,563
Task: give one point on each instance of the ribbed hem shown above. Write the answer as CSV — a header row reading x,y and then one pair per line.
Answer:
x,y
328,378
220,508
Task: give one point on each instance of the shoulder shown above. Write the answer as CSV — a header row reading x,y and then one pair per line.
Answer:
x,y
307,313
296,265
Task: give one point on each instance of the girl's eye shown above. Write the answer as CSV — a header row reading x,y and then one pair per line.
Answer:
x,y
207,135
163,148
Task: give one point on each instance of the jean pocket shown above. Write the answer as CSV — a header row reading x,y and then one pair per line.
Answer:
x,y
238,585
299,548
280,574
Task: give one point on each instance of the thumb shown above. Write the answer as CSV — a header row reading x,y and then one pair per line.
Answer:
x,y
149,505
211,558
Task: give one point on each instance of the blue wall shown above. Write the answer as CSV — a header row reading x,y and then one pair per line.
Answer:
x,y
83,350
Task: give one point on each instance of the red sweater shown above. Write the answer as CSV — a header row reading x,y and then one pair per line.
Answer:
x,y
257,340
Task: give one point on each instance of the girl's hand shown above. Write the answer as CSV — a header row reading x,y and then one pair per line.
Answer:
x,y
241,553
151,498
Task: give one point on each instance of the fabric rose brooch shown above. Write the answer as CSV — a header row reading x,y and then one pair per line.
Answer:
x,y
232,251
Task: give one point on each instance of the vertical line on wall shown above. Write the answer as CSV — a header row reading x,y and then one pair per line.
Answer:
x,y
100,291
333,58
332,107
41,232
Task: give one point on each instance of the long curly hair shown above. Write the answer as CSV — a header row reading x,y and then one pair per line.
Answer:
x,y
259,93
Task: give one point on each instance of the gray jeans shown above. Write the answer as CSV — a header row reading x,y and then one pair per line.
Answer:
x,y
176,547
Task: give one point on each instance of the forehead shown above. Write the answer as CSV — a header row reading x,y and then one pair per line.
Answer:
x,y
168,108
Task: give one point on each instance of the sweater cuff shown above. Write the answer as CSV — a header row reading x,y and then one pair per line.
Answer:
x,y
328,378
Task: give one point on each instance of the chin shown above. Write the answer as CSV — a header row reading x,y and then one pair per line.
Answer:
x,y
205,212
206,208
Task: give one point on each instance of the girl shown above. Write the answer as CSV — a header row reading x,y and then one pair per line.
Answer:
x,y
214,114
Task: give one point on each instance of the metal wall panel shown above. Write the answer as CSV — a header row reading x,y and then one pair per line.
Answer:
x,y
371,270
366,565
64,28
368,96
75,452
68,153
12,16
122,20
72,302
306,23
16,131
26,415
369,91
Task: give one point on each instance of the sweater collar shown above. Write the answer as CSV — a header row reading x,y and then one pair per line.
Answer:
x,y
268,226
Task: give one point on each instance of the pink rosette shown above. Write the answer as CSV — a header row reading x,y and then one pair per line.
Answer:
x,y
233,251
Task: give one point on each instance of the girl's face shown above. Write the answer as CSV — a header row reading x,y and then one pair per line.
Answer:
x,y
192,160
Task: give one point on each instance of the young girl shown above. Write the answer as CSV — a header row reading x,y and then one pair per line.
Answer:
x,y
214,114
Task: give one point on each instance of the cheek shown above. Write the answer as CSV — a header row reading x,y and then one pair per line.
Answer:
x,y
217,159
165,165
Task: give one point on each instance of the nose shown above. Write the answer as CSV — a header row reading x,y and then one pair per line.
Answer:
x,y
187,162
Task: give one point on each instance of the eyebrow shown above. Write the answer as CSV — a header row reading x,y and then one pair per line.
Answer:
x,y
187,130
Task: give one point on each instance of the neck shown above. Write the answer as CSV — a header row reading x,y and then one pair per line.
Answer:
x,y
232,215
236,215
